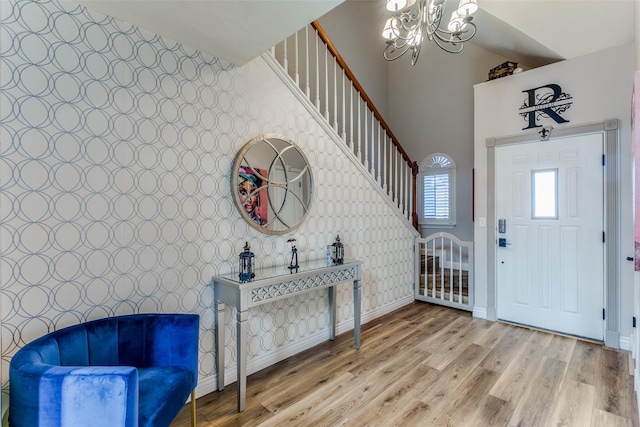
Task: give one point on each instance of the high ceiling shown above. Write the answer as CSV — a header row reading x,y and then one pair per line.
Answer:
x,y
530,32
538,32
234,30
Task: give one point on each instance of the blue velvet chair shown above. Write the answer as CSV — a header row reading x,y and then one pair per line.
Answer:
x,y
123,371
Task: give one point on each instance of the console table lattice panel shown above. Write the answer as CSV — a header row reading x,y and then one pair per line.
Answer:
x,y
270,292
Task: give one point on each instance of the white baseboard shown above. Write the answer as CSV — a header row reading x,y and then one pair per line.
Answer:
x,y
625,343
479,312
206,385
209,384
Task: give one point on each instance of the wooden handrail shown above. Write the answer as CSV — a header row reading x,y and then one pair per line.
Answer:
x,y
323,36
356,84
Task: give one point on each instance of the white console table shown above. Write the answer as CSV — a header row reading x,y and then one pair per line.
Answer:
x,y
271,285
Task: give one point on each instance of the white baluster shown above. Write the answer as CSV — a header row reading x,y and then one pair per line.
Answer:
x,y
297,74
359,139
402,186
335,96
411,182
365,141
285,59
372,153
344,95
351,91
379,153
307,89
317,73
396,187
326,84
384,163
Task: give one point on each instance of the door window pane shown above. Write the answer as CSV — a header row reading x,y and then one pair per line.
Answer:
x,y
544,193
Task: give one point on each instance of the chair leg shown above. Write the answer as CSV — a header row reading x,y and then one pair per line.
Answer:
x,y
193,408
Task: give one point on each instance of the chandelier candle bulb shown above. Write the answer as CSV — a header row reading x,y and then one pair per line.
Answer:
x,y
396,5
456,23
467,7
390,30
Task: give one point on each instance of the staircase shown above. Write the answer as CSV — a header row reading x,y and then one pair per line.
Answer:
x,y
324,81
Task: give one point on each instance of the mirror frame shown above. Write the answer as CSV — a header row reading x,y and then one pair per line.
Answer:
x,y
238,162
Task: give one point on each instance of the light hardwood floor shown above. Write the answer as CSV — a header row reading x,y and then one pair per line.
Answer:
x,y
426,365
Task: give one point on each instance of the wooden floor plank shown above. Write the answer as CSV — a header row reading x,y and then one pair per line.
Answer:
x,y
484,374
490,337
536,404
515,379
615,385
561,348
575,405
454,342
505,349
584,363
397,400
493,412
600,418
466,400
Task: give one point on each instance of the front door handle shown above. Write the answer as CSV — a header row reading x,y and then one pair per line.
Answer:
x,y
502,242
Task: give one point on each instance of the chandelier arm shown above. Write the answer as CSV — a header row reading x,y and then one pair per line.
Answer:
x,y
456,37
448,46
411,27
393,52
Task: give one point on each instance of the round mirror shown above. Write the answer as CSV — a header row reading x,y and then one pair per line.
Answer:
x,y
272,184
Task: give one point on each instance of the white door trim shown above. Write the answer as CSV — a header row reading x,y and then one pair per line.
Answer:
x,y
609,130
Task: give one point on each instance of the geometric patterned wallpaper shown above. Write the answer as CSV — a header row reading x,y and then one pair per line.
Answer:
x,y
116,148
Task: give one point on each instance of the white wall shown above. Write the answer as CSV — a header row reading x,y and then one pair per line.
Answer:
x,y
601,85
116,147
431,107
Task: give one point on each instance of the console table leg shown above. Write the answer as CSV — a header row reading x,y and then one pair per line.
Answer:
x,y
356,313
242,317
219,342
332,313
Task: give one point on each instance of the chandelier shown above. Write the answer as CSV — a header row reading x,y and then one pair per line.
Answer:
x,y
409,25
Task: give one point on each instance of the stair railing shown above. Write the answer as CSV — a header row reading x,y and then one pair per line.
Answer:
x,y
316,67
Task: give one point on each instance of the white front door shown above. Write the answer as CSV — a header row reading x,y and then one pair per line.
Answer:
x,y
550,266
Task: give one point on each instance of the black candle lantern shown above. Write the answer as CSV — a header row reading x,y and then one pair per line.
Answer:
x,y
294,254
337,251
246,264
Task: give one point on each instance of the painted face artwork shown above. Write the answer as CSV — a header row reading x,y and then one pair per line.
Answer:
x,y
248,189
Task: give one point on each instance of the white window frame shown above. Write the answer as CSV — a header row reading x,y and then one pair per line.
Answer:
x,y
437,164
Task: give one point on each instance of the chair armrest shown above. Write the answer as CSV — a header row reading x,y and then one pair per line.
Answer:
x,y
172,340
47,396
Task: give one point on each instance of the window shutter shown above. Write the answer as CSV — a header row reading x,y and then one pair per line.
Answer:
x,y
436,196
